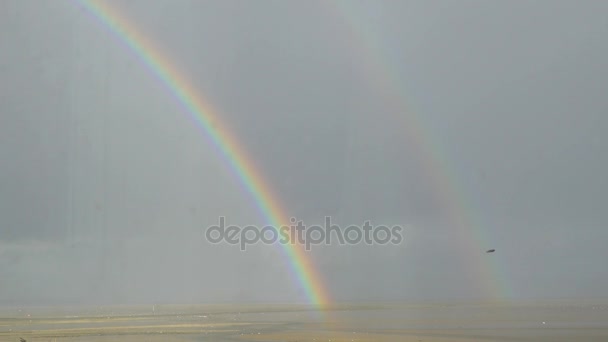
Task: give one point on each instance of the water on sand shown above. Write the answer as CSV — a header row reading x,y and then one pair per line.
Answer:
x,y
552,321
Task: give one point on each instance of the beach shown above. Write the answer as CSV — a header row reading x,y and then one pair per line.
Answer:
x,y
430,322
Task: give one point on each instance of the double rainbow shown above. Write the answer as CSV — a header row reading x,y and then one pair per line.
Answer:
x,y
377,66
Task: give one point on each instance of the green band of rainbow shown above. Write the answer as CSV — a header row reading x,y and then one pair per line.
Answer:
x,y
229,148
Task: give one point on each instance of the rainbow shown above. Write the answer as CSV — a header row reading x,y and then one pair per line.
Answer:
x,y
209,121
380,70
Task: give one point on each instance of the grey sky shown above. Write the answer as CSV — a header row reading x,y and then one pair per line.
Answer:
x,y
106,185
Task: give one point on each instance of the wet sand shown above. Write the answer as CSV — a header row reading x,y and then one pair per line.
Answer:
x,y
538,321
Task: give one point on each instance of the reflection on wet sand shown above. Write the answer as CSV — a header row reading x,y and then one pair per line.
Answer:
x,y
550,321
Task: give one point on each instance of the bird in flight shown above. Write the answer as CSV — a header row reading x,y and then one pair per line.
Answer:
x,y
490,251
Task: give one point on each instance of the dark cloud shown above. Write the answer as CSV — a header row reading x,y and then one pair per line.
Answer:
x,y
413,113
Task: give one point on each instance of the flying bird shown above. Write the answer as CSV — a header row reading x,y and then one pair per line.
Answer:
x,y
490,251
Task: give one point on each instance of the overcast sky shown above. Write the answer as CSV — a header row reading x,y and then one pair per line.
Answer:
x,y
399,112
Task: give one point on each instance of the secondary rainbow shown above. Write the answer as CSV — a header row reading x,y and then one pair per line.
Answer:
x,y
227,145
381,71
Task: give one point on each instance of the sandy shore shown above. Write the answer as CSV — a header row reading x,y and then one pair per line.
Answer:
x,y
549,321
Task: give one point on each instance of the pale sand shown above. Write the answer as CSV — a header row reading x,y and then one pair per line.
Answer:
x,y
548,321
